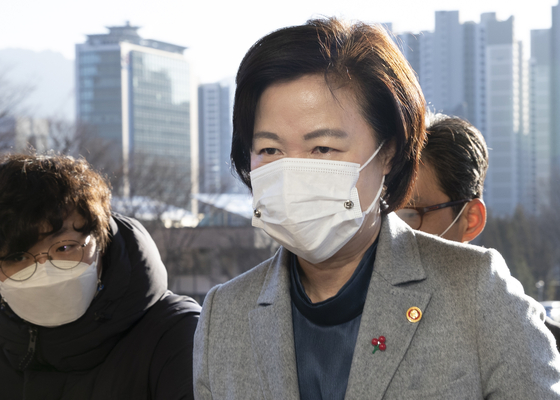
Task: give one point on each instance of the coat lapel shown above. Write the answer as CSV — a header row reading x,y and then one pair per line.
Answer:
x,y
397,262
272,334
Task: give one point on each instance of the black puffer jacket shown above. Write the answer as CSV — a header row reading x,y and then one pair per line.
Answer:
x,y
134,342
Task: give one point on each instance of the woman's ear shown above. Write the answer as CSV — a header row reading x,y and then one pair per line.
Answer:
x,y
388,153
475,211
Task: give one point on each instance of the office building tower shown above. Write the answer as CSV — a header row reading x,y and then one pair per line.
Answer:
x,y
555,95
474,74
526,154
215,107
448,64
541,117
502,103
137,95
426,70
438,59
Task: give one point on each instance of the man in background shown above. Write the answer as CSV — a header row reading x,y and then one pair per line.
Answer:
x,y
447,198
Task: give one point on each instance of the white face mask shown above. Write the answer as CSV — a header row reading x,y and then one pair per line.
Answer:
x,y
52,296
311,207
455,220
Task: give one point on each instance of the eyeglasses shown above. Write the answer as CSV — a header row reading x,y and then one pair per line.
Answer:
x,y
414,216
64,255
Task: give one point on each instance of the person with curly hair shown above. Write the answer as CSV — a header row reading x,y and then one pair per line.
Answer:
x,y
84,308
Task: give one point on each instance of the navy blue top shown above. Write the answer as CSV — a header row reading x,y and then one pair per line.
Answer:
x,y
325,333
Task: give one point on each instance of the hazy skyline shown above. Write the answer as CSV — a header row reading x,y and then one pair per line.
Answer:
x,y
218,33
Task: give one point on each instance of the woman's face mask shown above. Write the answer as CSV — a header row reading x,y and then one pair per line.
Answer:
x,y
52,296
311,207
54,282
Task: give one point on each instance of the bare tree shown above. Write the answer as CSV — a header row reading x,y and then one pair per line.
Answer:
x,y
12,97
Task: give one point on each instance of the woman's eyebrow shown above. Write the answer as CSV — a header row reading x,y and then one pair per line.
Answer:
x,y
266,135
337,133
61,232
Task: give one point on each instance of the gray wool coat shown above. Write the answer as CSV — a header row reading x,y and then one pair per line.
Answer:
x,y
479,336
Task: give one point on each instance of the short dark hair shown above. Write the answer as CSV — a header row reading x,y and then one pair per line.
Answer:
x,y
39,189
361,56
457,152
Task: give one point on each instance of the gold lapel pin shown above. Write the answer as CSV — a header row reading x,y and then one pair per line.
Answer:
x,y
414,314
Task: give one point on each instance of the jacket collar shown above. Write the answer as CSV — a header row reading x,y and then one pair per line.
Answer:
x,y
277,280
397,248
399,251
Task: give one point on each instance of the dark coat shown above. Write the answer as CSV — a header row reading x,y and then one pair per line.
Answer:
x,y
133,342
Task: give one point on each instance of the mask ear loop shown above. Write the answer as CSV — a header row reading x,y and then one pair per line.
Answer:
x,y
377,196
455,220
372,157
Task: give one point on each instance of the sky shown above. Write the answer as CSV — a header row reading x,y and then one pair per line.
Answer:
x,y
218,33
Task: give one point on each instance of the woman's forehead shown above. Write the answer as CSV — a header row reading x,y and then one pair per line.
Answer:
x,y
304,106
70,226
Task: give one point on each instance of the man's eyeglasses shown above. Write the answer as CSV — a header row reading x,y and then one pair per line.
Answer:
x,y
65,254
414,216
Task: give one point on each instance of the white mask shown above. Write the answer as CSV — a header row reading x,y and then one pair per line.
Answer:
x,y
52,296
455,220
309,206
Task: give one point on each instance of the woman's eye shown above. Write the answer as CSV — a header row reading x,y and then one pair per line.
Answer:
x,y
19,257
323,149
66,248
269,151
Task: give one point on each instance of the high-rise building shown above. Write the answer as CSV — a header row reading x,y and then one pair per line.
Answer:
x,y
525,157
426,71
438,58
555,95
541,119
502,103
448,64
215,107
474,74
137,94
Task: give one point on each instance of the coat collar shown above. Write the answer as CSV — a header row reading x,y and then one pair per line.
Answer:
x,y
277,281
272,334
397,248
397,262
399,253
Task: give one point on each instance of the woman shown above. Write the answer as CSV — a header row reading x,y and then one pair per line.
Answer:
x,y
85,312
328,118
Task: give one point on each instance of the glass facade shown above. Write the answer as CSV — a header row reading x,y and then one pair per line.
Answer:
x,y
99,94
160,109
